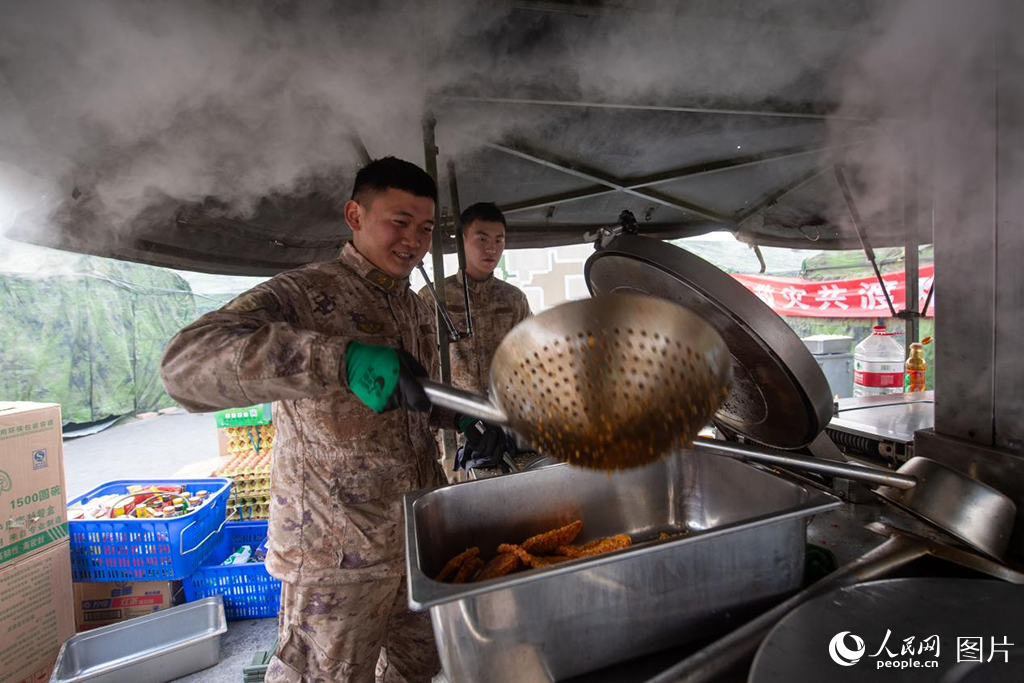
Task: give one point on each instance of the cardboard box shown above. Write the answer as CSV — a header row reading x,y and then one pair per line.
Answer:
x,y
99,604
35,613
33,502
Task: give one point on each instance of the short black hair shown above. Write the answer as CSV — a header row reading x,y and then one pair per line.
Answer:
x,y
482,211
388,172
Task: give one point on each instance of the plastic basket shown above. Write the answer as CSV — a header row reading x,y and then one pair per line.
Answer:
x,y
249,591
149,549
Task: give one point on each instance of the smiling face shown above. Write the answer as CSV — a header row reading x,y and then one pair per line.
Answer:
x,y
485,243
392,229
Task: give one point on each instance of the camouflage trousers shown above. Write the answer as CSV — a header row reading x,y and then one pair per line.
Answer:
x,y
358,632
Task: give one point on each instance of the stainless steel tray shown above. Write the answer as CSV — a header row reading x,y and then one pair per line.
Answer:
x,y
744,544
156,648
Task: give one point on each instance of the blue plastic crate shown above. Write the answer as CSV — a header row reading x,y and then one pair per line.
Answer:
x,y
128,549
249,591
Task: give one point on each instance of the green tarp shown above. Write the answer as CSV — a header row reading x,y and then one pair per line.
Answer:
x,y
839,265
87,332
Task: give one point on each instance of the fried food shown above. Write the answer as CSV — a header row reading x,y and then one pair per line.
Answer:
x,y
468,569
502,564
601,545
508,548
547,561
547,542
542,550
664,535
456,563
529,559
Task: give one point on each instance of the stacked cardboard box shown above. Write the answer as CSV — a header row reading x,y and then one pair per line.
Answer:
x,y
36,614
100,604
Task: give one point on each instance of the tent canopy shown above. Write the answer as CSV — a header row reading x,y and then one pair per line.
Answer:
x,y
718,115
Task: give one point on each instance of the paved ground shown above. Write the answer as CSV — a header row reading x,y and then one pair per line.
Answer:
x,y
243,640
145,449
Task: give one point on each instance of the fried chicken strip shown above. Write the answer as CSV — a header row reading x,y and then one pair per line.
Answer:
x,y
456,562
528,559
601,545
509,548
468,569
547,561
502,564
545,543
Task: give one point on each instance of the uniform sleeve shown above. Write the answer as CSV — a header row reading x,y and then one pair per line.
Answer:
x,y
252,351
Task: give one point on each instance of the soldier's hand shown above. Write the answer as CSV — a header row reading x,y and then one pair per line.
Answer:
x,y
467,459
385,378
483,440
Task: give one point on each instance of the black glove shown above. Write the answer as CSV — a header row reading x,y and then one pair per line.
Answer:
x,y
409,393
465,459
486,445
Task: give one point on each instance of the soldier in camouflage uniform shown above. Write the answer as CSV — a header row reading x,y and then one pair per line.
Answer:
x,y
335,345
496,307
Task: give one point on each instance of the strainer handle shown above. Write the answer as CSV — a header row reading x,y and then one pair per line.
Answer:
x,y
464,402
868,475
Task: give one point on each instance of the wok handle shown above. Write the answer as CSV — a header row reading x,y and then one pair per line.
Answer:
x,y
718,657
868,475
463,402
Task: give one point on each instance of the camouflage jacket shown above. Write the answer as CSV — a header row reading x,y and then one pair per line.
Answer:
x,y
496,308
339,469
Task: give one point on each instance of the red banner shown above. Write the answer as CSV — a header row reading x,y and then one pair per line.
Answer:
x,y
856,298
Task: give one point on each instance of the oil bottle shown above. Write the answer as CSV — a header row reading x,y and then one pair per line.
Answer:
x,y
916,366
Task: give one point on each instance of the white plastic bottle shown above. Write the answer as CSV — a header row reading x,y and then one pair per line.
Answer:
x,y
878,364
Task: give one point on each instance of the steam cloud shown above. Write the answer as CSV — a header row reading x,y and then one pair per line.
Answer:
x,y
137,102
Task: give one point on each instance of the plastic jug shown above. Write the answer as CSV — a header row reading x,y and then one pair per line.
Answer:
x,y
878,364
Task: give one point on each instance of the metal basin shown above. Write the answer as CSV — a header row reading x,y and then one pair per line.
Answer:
x,y
963,507
154,648
743,545
540,462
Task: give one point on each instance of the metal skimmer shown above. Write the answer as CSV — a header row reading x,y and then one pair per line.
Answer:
x,y
607,383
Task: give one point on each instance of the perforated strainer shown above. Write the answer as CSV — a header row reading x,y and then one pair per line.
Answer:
x,y
607,383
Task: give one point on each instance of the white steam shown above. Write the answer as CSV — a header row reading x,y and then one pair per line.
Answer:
x,y
141,103
135,101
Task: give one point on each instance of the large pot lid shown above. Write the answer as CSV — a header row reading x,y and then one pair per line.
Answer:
x,y
779,396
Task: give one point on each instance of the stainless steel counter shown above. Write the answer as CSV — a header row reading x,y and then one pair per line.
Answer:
x,y
893,418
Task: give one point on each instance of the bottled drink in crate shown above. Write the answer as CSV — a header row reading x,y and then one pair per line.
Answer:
x,y
878,364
